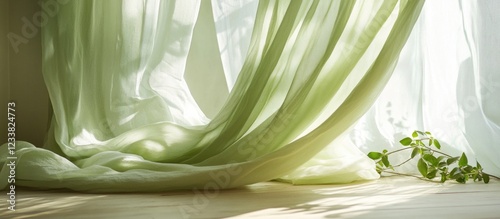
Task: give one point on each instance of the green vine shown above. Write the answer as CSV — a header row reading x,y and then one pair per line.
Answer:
x,y
432,162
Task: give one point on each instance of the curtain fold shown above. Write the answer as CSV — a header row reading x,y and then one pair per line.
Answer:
x,y
124,119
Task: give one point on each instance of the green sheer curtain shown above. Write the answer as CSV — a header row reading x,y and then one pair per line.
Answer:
x,y
124,119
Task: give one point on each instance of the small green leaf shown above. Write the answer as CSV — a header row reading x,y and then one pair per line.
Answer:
x,y
468,169
432,174
422,167
478,165
406,141
431,159
379,168
414,134
457,175
385,160
419,142
443,177
444,169
437,144
440,158
486,178
375,155
463,160
384,151
452,160
380,164
428,133
442,164
420,132
414,152
430,142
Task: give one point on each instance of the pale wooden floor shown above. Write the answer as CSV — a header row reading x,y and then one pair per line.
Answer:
x,y
390,197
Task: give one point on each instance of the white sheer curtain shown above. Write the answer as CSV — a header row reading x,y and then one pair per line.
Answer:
x,y
124,118
447,81
124,113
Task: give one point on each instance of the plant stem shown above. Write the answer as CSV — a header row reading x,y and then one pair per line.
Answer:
x,y
421,139
402,149
403,162
496,177
403,174
439,152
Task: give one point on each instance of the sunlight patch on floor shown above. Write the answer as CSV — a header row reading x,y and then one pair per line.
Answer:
x,y
348,201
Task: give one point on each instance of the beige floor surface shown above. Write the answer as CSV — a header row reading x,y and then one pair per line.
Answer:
x,y
389,197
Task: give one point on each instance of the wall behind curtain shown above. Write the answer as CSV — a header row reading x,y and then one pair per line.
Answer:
x,y
21,74
4,65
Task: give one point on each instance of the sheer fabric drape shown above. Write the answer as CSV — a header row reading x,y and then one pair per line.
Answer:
x,y
447,82
124,119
